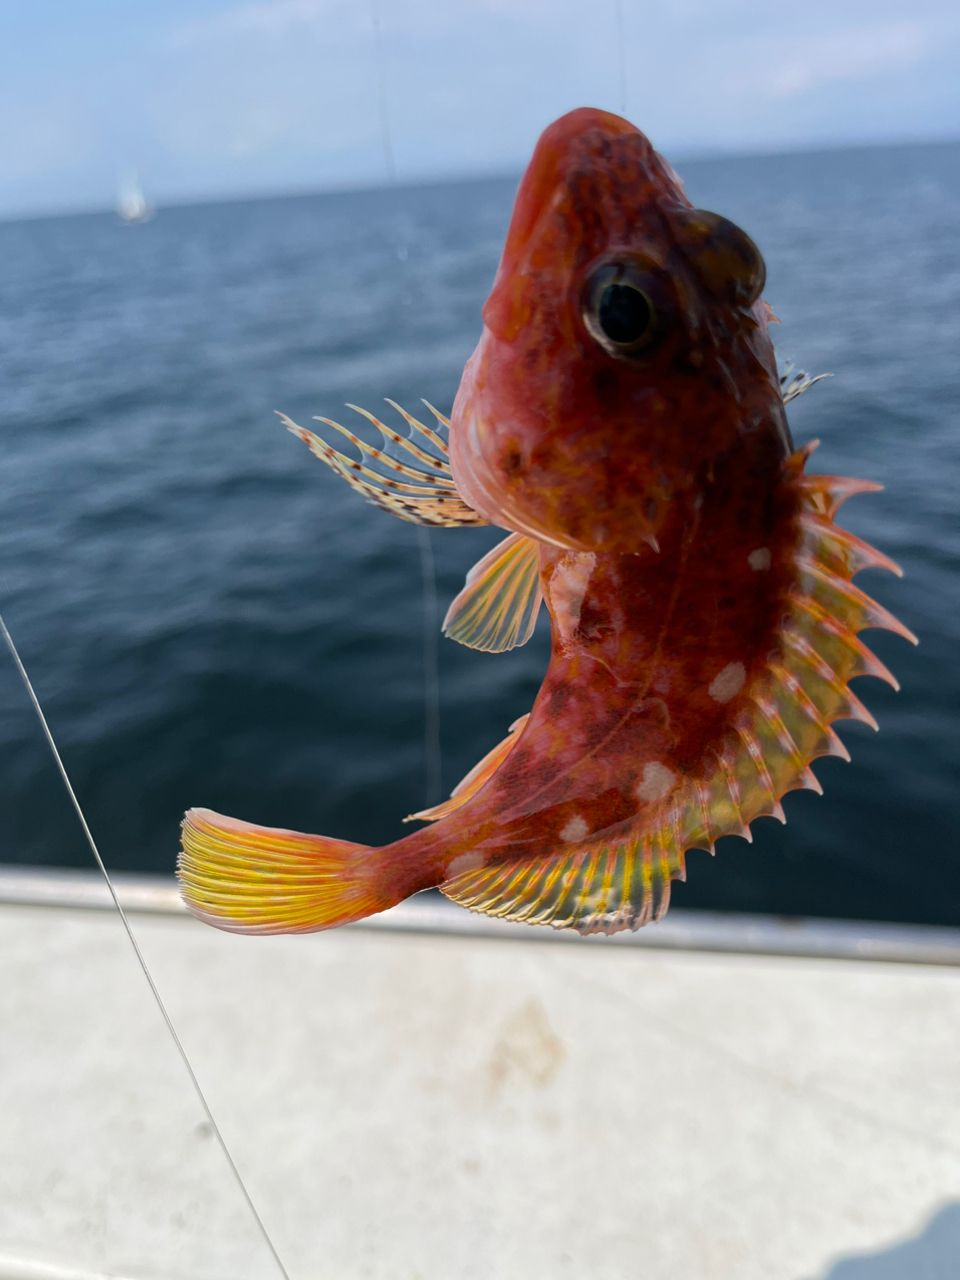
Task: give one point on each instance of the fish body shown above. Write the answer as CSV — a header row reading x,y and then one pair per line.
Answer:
x,y
622,417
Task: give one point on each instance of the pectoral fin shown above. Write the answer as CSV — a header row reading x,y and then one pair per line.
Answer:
x,y
416,485
497,608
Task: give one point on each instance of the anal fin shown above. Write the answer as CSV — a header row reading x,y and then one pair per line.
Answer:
x,y
600,887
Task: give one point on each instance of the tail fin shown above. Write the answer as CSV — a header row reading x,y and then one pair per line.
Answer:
x,y
249,879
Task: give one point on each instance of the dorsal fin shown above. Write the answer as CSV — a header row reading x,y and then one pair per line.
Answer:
x,y
498,606
481,773
783,723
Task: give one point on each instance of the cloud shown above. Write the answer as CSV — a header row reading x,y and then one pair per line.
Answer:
x,y
266,18
260,95
277,18
51,137
858,53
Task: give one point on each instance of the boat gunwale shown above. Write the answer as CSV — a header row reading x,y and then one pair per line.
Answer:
x,y
712,931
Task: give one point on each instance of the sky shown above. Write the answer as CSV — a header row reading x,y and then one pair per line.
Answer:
x,y
211,98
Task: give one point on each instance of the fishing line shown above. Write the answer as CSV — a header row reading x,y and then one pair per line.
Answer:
x,y
433,758
101,865
385,138
618,5
431,662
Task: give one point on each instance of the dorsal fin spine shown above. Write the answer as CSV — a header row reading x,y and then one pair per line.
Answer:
x,y
679,849
855,710
809,781
860,554
704,841
832,743
870,664
835,490
749,740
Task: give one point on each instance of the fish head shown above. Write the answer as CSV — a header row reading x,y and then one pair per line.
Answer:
x,y
624,349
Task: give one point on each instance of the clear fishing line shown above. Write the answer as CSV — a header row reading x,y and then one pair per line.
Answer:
x,y
622,57
433,757
168,1021
431,669
388,158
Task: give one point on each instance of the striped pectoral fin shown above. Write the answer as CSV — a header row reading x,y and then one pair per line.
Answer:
x,y
249,879
498,606
409,476
598,887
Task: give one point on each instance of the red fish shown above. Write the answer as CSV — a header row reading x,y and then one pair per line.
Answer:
x,y
623,418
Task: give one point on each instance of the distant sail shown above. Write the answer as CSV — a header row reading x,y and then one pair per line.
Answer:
x,y
132,204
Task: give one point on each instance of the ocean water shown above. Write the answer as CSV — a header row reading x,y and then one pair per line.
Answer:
x,y
211,617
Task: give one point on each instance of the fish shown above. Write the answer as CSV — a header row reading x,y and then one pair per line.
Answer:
x,y
623,420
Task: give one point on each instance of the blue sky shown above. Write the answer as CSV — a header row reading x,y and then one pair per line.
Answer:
x,y
222,97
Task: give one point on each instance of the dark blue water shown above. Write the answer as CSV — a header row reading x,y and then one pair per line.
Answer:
x,y
212,618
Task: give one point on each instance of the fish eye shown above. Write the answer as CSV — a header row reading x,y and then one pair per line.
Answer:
x,y
618,311
727,260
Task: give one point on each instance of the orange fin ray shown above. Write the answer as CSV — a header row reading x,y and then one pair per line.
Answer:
x,y
842,551
429,484
432,437
429,460
479,775
737,824
620,883
836,638
845,602
498,606
829,493
425,492
249,879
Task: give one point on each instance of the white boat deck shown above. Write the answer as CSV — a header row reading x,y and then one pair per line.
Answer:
x,y
439,1097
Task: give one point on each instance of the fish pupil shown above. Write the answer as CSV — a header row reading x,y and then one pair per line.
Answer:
x,y
624,314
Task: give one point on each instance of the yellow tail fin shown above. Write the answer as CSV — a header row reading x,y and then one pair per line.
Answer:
x,y
249,879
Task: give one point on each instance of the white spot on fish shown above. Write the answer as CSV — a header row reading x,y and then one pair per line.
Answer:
x,y
759,559
656,781
575,829
568,590
465,862
728,683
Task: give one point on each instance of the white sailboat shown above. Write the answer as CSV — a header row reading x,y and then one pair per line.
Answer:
x,y
132,204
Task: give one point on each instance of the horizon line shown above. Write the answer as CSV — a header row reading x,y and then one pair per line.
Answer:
x,y
692,155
